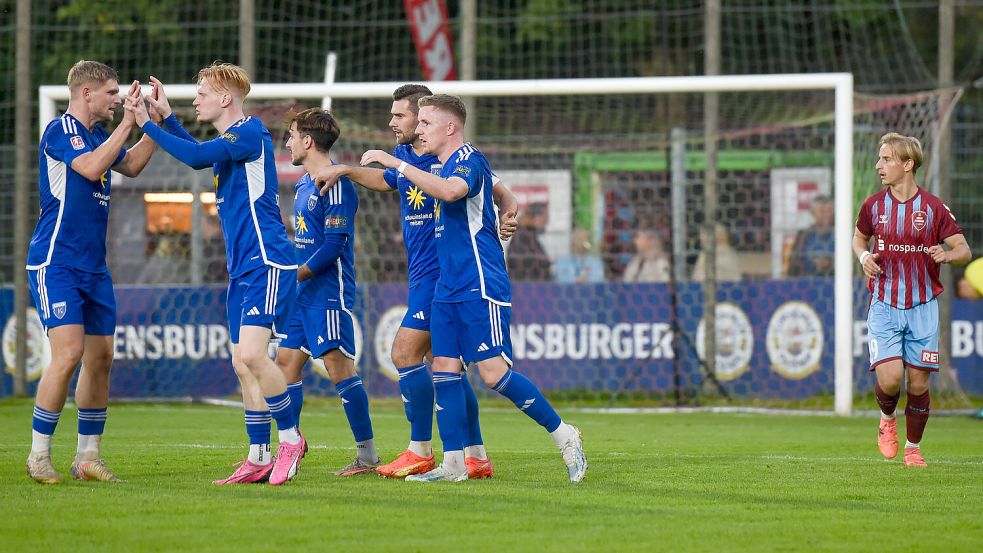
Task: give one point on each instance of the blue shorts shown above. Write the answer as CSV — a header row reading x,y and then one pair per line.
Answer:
x,y
262,297
67,296
911,335
316,331
472,330
419,305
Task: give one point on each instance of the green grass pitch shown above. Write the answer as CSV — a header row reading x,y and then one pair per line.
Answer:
x,y
680,482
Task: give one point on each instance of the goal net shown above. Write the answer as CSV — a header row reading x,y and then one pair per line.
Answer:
x,y
611,179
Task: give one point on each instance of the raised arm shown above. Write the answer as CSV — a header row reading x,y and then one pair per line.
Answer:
x,y
368,177
92,165
447,190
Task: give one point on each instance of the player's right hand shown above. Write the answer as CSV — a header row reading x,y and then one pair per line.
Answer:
x,y
326,177
158,100
871,268
131,94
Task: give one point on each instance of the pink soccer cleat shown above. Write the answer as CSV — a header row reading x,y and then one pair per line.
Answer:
x,y
247,472
479,468
913,457
887,438
287,462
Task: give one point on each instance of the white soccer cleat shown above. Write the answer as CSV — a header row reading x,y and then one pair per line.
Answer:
x,y
572,451
439,474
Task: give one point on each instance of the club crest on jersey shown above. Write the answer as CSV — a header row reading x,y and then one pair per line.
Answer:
x,y
77,142
918,219
435,168
59,309
311,202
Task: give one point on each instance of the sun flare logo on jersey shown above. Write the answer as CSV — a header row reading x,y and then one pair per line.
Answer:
x,y
215,182
415,197
794,340
103,179
436,210
300,225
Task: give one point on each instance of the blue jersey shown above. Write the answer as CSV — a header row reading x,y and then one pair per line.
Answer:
x,y
472,260
74,216
314,217
417,212
246,197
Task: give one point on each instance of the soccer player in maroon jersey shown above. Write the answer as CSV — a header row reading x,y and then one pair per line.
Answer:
x,y
908,226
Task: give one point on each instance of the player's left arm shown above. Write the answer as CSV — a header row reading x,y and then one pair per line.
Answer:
x,y
447,190
958,254
508,208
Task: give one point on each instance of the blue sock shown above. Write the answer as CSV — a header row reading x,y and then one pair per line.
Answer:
x,y
44,421
92,422
416,389
527,397
296,393
282,411
472,435
356,404
258,427
451,411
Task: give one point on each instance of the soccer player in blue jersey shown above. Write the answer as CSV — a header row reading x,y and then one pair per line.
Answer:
x,y
66,263
472,301
321,325
412,343
262,269
908,226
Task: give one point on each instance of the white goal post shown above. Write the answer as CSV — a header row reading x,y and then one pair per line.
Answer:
x,y
840,83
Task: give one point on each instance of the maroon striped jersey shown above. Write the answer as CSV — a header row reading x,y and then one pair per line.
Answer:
x,y
902,233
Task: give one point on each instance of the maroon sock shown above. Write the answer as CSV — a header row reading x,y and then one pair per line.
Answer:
x,y
888,403
916,415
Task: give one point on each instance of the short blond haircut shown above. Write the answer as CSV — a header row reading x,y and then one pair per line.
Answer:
x,y
905,147
446,102
90,72
227,77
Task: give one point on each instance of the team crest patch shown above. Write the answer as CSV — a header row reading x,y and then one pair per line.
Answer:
x,y
462,170
435,168
336,221
77,142
311,202
918,219
230,137
59,309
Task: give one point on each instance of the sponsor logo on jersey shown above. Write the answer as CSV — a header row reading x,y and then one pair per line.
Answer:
x,y
336,221
735,341
930,357
230,137
38,348
300,225
462,170
311,202
794,340
882,219
59,309
918,219
415,197
77,142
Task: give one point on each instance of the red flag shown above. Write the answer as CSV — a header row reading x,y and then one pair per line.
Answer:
x,y
432,36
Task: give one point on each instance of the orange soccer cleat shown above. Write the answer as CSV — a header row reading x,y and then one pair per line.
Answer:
x,y
406,464
887,438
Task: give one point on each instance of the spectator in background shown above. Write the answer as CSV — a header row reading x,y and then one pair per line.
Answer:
x,y
527,259
650,263
728,264
811,253
580,265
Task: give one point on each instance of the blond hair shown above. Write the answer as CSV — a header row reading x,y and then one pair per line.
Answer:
x,y
226,77
446,102
90,72
905,147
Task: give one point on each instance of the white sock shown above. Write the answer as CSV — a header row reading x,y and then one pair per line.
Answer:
x,y
290,436
477,451
454,461
259,454
88,444
890,417
563,433
366,451
908,444
423,449
40,443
